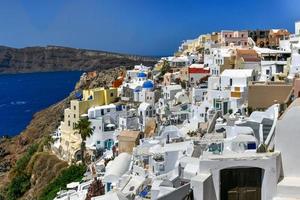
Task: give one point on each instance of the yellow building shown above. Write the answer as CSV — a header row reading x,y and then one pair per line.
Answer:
x,y
70,142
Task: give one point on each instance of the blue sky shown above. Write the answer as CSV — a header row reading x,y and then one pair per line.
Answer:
x,y
146,27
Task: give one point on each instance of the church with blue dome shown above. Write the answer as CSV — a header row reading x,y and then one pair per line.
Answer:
x,y
148,84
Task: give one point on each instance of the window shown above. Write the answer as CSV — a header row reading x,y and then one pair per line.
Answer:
x,y
230,82
94,127
225,35
74,107
242,35
98,142
251,145
69,123
279,68
111,94
74,115
108,110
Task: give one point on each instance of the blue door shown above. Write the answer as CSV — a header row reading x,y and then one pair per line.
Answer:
x,y
108,186
108,144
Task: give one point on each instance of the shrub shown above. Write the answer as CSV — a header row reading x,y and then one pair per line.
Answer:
x,y
20,183
18,186
164,69
70,174
23,161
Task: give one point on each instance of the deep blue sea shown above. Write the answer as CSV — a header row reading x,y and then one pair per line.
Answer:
x,y
22,95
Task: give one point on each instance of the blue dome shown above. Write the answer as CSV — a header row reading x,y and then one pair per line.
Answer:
x,y
141,75
148,84
138,89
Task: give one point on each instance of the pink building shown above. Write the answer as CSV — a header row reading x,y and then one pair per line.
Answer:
x,y
238,38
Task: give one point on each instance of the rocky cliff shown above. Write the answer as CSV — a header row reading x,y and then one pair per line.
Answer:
x,y
55,58
43,166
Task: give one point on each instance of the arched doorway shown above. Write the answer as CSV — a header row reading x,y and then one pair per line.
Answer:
x,y
77,155
241,183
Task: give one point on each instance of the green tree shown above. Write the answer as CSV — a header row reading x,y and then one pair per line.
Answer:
x,y
165,68
83,128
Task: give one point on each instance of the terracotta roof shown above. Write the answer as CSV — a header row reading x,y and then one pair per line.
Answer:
x,y
246,52
251,59
248,55
129,134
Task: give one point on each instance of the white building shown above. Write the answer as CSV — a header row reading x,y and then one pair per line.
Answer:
x,y
236,78
287,139
220,176
294,45
104,122
295,59
273,63
166,158
145,111
138,89
218,59
236,82
183,61
169,91
181,98
115,169
198,94
129,121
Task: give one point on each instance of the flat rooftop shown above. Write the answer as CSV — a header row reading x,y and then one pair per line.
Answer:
x,y
240,156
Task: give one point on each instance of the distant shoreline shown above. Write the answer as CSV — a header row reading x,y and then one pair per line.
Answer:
x,y
54,58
